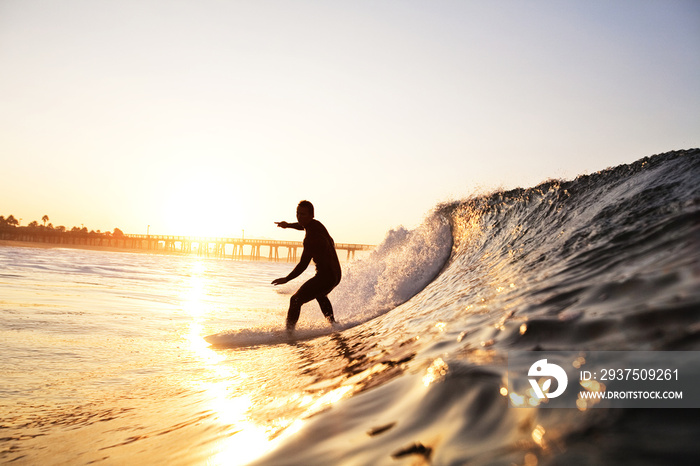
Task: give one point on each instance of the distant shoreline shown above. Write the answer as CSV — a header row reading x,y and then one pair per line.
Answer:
x,y
40,245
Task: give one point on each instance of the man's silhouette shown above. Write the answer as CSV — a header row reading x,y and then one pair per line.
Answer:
x,y
319,246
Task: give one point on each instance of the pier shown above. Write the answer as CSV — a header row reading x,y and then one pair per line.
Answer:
x,y
234,248
223,248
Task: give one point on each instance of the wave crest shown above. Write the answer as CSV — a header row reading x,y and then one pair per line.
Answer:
x,y
400,267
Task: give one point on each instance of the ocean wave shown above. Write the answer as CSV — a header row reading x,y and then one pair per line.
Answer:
x,y
396,270
607,261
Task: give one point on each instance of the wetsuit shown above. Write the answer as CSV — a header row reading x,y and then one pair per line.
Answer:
x,y
319,246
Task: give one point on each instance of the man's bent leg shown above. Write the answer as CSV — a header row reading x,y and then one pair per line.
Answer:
x,y
293,313
316,288
326,308
305,293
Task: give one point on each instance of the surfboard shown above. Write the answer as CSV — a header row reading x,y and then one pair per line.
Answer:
x,y
243,338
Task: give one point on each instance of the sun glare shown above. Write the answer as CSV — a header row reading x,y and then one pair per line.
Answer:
x,y
204,208
222,380
245,440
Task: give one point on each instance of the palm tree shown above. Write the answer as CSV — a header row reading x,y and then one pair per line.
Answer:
x,y
45,219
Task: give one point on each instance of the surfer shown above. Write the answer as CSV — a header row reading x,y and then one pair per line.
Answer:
x,y
319,246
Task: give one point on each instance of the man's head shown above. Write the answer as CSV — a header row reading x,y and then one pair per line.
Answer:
x,y
305,212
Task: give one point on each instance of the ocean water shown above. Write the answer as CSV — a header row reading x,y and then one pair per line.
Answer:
x,y
104,358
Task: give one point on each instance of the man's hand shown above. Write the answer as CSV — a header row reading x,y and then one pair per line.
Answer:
x,y
282,224
280,281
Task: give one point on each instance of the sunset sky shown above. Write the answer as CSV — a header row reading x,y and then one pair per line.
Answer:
x,y
210,117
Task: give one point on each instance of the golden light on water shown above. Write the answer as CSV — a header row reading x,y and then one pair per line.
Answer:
x,y
533,399
578,362
436,371
327,399
200,347
192,296
538,436
517,400
527,399
592,386
193,292
242,440
248,440
230,394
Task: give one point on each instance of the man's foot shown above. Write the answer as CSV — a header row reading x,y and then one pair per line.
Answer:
x,y
334,323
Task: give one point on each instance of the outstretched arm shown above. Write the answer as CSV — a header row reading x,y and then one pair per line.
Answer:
x,y
295,225
298,270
